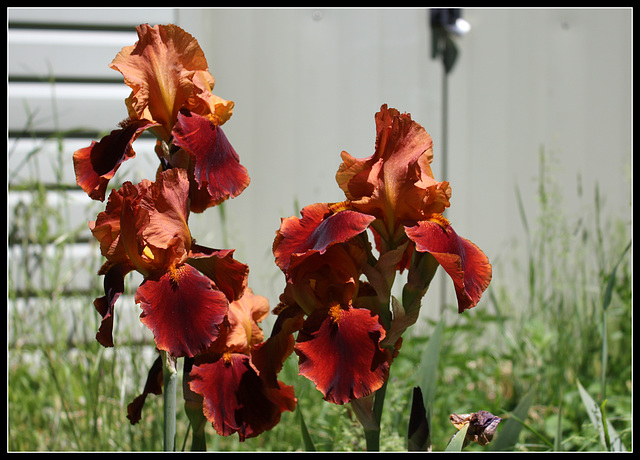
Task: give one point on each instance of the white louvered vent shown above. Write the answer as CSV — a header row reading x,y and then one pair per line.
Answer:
x,y
61,96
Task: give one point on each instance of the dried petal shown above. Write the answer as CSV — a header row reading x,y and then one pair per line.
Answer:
x,y
482,425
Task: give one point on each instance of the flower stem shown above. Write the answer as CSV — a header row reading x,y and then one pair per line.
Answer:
x,y
170,377
368,410
373,436
193,407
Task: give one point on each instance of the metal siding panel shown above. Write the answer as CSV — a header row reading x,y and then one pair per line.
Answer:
x,y
91,17
50,246
63,54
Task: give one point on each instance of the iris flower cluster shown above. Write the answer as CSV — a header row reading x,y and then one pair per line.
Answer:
x,y
193,298
340,260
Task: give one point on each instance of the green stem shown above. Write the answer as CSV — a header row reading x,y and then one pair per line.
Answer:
x,y
170,377
372,435
198,439
193,407
603,371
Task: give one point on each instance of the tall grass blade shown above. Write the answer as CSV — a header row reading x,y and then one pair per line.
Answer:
x,y
510,432
608,293
606,301
427,373
604,427
457,442
557,443
307,441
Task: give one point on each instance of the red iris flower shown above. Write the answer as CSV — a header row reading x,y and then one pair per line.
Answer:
x,y
339,344
396,185
171,97
240,394
349,337
187,288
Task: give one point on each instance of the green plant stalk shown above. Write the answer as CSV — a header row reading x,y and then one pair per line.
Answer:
x,y
605,351
372,436
170,381
198,424
193,407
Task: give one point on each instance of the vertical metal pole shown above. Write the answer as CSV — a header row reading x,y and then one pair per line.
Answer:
x,y
445,172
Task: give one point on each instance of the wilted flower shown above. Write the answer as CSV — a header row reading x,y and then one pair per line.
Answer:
x,y
482,426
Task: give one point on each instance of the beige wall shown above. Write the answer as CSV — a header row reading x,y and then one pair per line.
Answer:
x,y
308,82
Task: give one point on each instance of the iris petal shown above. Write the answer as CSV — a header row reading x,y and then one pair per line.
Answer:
x,y
217,167
464,262
113,288
396,182
183,309
229,275
340,353
165,72
236,400
315,231
96,165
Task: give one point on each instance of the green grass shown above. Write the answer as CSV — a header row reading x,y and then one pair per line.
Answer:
x,y
519,355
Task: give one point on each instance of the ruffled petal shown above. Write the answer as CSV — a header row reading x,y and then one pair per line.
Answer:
x,y
153,222
268,357
217,167
244,317
395,183
106,229
236,399
317,229
464,262
318,280
165,210
113,287
96,165
229,275
166,70
183,309
339,351
152,386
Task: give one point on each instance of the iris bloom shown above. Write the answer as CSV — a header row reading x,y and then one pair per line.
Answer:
x,y
187,288
239,392
234,382
392,193
171,97
339,344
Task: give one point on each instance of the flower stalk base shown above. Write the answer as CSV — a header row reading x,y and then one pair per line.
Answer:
x,y
170,381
